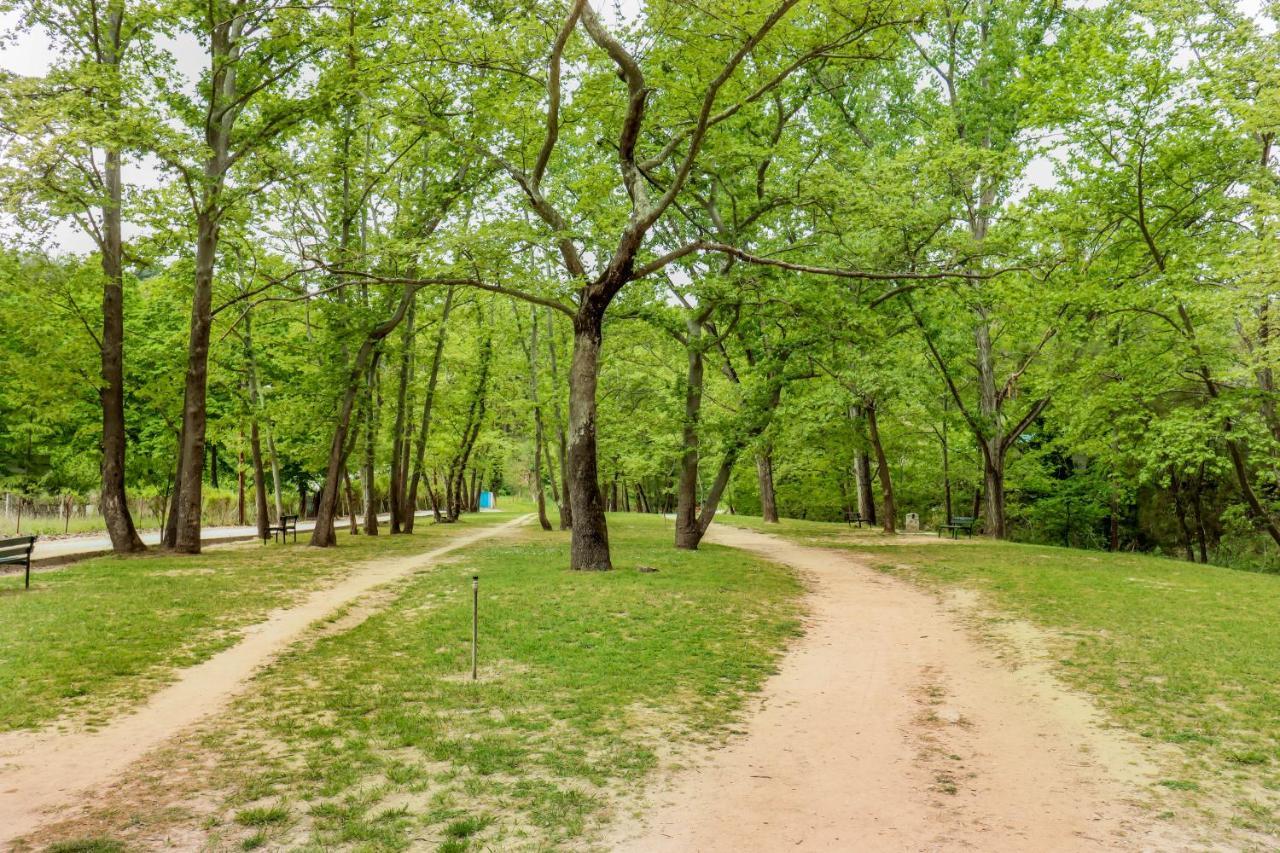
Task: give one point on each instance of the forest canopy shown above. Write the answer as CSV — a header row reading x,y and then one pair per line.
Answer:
x,y
830,259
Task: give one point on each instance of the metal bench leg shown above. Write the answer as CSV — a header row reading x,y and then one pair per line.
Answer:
x,y
28,580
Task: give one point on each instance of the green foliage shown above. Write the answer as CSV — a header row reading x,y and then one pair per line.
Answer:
x,y
1036,241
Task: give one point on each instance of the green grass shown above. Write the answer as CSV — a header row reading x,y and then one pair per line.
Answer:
x,y
262,816
797,529
46,526
382,741
88,845
106,632
1179,653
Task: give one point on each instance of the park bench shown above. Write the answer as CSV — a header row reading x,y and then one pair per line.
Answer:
x,y
852,518
18,550
288,524
957,524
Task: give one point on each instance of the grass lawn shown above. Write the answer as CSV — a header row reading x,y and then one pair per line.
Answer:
x,y
371,736
106,632
1179,653
46,526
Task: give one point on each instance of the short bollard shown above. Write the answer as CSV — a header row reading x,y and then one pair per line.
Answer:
x,y
475,622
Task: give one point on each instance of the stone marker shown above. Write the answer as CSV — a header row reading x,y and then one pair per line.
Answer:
x,y
913,522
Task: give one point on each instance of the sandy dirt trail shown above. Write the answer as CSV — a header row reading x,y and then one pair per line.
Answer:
x,y
46,771
889,728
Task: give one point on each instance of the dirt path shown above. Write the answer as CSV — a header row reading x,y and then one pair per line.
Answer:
x,y
45,771
888,728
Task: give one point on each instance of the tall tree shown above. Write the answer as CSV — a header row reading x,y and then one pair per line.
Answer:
x,y
72,130
256,50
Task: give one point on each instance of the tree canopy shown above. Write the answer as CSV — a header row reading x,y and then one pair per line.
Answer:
x,y
820,258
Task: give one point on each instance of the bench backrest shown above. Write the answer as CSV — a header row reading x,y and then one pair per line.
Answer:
x,y
17,550
962,520
288,521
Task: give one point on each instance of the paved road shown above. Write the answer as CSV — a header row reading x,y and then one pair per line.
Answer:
x,y
55,551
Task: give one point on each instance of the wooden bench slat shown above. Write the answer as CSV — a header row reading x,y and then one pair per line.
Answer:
x,y
18,550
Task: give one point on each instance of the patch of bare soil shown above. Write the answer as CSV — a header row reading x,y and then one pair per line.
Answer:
x,y
890,728
43,775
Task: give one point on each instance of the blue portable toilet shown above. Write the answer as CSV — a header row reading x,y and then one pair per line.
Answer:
x,y
486,500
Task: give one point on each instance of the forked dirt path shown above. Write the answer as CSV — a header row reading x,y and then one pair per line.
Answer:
x,y
889,728
44,772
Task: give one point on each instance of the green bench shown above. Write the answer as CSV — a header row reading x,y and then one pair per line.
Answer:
x,y
956,525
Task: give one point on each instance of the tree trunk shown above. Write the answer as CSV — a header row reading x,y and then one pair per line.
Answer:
x,y
1180,510
1197,504
688,532
351,501
240,481
1237,451
398,498
114,501
889,511
862,467
259,403
433,492
224,47
1114,539
589,548
539,493
259,481
551,472
459,497
946,468
989,405
428,402
764,476
564,502
169,536
718,485
322,534
368,471
993,485
190,483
